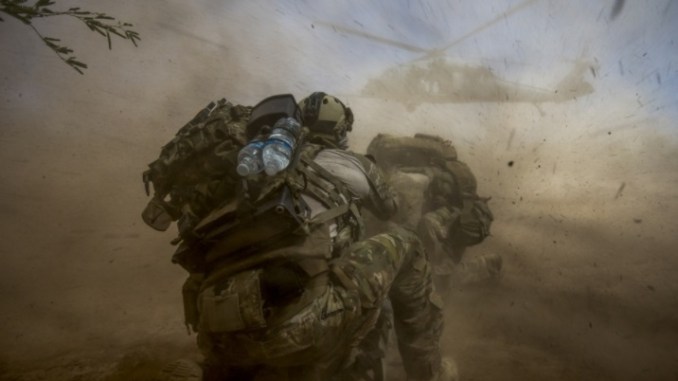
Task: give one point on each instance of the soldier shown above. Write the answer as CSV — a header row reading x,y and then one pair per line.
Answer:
x,y
283,286
439,199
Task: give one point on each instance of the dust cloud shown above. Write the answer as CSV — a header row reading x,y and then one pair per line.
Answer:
x,y
584,187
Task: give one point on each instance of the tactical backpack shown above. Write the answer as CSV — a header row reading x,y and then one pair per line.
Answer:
x,y
195,170
422,150
269,209
264,242
452,185
263,251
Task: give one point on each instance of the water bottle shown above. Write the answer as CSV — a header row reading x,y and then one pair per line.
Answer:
x,y
280,145
249,159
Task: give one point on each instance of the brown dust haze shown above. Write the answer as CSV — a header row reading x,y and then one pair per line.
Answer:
x,y
584,187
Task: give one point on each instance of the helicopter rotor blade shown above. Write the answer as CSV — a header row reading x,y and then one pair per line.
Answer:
x,y
429,53
369,36
502,16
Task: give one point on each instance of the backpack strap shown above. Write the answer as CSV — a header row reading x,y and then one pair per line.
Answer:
x,y
340,202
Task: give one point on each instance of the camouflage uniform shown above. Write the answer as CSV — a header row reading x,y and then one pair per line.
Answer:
x,y
318,340
327,310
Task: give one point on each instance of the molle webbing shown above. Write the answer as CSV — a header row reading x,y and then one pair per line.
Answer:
x,y
272,224
278,224
337,193
216,124
308,252
341,202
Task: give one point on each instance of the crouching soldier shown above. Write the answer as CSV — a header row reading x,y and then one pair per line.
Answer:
x,y
285,287
439,199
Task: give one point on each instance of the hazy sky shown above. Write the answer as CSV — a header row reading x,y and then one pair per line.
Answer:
x,y
536,45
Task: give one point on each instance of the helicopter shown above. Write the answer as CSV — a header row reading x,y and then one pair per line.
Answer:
x,y
435,78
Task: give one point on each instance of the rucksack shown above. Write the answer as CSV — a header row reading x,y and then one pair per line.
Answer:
x,y
421,150
451,181
256,241
195,170
264,211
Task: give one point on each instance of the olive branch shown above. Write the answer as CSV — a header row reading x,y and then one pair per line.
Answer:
x,y
98,22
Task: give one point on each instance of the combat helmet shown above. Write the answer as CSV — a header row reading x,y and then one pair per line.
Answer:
x,y
327,119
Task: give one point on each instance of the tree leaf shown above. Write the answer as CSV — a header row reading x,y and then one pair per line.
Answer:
x,y
98,22
77,63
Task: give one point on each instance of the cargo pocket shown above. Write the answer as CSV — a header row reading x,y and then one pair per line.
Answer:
x,y
234,304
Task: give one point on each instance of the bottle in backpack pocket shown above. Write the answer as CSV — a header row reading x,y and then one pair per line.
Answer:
x,y
280,146
249,159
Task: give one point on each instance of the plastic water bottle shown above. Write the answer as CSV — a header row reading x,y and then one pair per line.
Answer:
x,y
280,145
249,159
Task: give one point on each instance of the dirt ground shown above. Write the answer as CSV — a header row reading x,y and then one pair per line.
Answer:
x,y
585,193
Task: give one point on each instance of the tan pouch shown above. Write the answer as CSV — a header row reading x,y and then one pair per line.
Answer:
x,y
234,304
156,216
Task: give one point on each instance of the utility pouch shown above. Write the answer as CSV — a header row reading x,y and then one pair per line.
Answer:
x,y
233,304
156,215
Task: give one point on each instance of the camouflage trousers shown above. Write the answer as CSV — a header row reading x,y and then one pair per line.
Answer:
x,y
318,340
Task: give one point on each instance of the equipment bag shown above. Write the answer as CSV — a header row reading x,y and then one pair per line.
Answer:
x,y
202,151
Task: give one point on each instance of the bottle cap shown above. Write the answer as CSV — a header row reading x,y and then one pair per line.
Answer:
x,y
246,166
243,170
